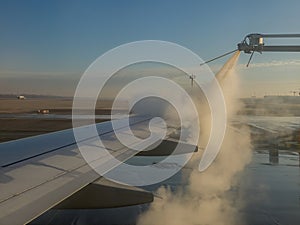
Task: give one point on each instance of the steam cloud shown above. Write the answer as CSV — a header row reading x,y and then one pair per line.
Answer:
x,y
207,198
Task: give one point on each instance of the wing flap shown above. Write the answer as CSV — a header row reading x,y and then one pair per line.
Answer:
x,y
167,147
103,193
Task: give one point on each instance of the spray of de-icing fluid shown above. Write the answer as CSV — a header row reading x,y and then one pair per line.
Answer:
x,y
206,198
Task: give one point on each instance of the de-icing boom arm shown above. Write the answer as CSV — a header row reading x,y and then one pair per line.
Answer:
x,y
255,43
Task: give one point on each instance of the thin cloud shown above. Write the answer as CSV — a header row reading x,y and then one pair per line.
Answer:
x,y
14,73
274,63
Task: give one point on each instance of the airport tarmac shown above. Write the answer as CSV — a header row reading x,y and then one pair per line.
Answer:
x,y
268,191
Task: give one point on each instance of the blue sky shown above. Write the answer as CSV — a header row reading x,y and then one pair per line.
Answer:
x,y
57,40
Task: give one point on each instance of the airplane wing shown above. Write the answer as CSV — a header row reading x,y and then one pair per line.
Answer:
x,y
46,171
